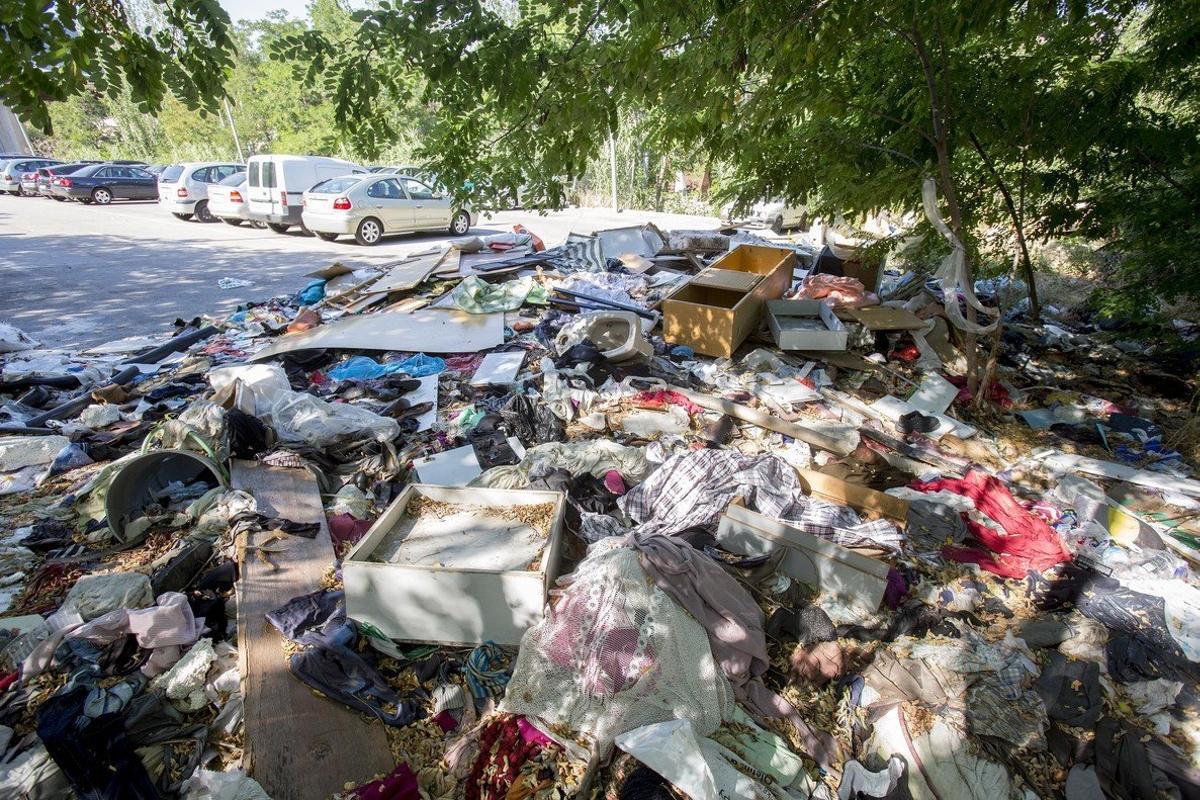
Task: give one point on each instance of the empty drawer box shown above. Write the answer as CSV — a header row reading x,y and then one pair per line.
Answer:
x,y
469,567
805,325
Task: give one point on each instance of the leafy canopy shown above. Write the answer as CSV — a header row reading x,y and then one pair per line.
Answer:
x,y
56,50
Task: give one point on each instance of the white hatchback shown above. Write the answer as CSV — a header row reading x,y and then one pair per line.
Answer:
x,y
183,188
369,207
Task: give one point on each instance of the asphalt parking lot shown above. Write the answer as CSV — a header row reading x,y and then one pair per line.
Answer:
x,y
75,275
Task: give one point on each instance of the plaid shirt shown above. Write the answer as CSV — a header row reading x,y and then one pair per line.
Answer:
x,y
692,490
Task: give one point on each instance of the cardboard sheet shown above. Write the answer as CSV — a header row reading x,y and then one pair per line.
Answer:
x,y
934,395
424,331
884,318
455,467
498,369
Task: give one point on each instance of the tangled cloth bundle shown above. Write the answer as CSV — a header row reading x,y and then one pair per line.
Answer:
x,y
1027,541
836,290
616,653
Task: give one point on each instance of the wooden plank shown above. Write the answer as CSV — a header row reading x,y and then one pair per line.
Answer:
x,y
298,745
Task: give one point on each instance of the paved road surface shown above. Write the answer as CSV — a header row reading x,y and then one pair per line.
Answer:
x,y
73,275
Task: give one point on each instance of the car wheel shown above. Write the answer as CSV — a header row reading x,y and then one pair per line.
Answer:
x,y
369,232
56,197
101,196
181,216
257,223
460,224
233,222
278,227
777,225
202,212
326,237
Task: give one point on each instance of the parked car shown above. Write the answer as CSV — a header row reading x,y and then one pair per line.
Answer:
x,y
378,205
228,200
774,214
399,169
47,174
103,183
183,188
12,172
276,185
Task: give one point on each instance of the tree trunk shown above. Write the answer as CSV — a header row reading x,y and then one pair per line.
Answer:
x,y
658,185
706,181
1018,227
946,184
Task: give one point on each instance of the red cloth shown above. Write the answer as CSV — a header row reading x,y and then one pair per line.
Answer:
x,y
996,392
345,531
502,753
538,244
1028,542
401,784
614,482
7,681
660,398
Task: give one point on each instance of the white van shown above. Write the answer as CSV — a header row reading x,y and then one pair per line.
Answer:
x,y
276,184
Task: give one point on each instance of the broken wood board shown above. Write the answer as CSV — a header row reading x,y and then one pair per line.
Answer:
x,y
407,274
885,318
862,499
729,279
850,579
1060,463
298,745
424,331
841,447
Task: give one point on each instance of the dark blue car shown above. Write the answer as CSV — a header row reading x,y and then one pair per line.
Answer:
x,y
103,183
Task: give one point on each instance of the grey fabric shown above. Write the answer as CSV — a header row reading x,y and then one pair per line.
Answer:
x,y
1071,690
96,595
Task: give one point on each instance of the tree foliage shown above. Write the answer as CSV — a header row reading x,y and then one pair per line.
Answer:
x,y
56,50
1035,119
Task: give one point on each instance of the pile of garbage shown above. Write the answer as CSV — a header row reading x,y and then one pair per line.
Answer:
x,y
641,515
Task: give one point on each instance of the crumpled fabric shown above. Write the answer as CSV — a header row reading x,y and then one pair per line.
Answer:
x,y
734,624
836,290
596,457
858,781
477,296
95,595
399,784
1027,541
206,784
693,489
1071,691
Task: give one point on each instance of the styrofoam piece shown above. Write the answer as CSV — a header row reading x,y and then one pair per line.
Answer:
x,y
446,602
893,408
934,395
498,369
455,467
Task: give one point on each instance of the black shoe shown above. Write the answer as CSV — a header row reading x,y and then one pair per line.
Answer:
x,y
916,422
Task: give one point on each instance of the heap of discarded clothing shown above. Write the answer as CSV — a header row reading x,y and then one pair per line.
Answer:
x,y
530,548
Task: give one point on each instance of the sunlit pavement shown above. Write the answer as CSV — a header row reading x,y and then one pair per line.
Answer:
x,y
75,275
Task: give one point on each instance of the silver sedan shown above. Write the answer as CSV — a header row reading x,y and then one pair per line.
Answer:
x,y
369,207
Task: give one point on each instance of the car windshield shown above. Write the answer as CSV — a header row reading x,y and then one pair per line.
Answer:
x,y
236,179
171,173
336,185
